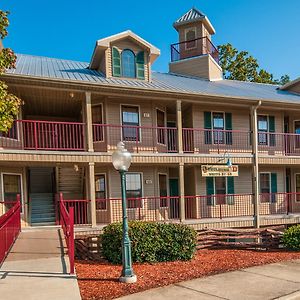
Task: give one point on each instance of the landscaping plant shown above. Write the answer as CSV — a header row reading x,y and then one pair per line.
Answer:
x,y
150,242
291,238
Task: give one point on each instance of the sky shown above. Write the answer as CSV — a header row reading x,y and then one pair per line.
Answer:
x,y
267,29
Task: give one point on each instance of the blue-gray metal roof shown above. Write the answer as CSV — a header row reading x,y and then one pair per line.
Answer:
x,y
74,71
191,15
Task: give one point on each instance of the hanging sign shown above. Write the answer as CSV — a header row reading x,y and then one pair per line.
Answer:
x,y
219,170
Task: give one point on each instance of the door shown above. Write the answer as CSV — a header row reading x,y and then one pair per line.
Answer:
x,y
174,202
12,185
172,136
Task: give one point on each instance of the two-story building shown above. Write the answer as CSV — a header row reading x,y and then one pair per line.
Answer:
x,y
180,126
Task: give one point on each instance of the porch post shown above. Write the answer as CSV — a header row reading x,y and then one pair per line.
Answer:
x,y
89,121
91,192
255,174
181,193
179,126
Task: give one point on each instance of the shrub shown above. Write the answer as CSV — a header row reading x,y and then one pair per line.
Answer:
x,y
291,237
150,242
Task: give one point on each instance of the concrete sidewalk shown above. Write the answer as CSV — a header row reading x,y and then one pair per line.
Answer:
x,y
274,281
36,269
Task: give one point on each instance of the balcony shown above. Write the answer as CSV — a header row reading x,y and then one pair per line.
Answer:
x,y
200,207
193,48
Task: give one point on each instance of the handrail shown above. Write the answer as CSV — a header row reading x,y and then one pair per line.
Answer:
x,y
66,219
10,227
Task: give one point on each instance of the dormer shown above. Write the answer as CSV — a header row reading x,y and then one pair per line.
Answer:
x,y
124,55
195,54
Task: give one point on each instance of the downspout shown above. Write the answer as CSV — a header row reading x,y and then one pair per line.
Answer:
x,y
255,173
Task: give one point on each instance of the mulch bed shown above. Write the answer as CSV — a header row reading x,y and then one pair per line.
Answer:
x,y
100,280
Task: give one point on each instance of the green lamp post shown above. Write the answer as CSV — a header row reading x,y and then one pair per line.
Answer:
x,y
121,160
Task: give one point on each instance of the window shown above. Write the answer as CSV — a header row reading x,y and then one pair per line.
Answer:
x,y
220,189
130,122
163,190
297,131
12,133
100,189
218,126
98,131
128,64
190,37
160,115
268,187
297,187
262,130
11,187
134,190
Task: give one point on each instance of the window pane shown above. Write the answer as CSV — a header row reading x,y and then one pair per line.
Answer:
x,y
262,123
218,121
128,64
133,189
11,187
220,185
130,118
163,190
190,36
100,191
297,127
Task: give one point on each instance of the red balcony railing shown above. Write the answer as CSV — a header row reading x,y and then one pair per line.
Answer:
x,y
10,227
193,48
66,220
45,135
136,138
216,141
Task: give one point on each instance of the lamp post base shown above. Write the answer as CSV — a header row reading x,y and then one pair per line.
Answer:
x,y
128,279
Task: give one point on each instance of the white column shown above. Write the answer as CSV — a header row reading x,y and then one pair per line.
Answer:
x,y
179,126
91,192
89,121
181,193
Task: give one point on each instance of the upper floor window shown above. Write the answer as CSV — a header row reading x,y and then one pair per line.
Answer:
x,y
266,125
126,64
190,37
130,123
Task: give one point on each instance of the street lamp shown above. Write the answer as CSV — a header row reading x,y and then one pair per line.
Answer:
x,y
121,160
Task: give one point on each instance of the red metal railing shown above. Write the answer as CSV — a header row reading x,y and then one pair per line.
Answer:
x,y
10,227
66,220
215,141
136,138
81,208
192,48
45,135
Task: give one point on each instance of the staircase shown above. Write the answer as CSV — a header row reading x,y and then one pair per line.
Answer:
x,y
42,209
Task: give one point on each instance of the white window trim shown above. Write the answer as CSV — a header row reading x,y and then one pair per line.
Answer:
x,y
106,193
103,122
168,194
165,125
21,183
212,126
185,33
142,187
121,122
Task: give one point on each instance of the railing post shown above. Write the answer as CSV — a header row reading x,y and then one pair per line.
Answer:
x,y
71,240
220,208
35,136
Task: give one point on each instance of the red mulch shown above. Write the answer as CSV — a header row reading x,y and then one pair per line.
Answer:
x,y
100,280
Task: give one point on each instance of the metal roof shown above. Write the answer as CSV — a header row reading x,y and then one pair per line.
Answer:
x,y
74,71
191,15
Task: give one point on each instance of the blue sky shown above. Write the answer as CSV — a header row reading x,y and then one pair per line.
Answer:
x,y
268,29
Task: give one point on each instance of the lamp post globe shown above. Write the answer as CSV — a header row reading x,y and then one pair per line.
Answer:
x,y
121,160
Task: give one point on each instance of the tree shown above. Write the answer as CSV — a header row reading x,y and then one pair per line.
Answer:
x,y
9,103
244,67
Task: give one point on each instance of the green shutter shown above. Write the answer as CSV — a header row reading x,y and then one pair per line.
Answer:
x,y
230,190
272,129
210,190
273,186
228,126
140,65
207,125
116,62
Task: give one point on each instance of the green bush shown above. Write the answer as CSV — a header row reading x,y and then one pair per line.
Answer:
x,y
291,237
150,242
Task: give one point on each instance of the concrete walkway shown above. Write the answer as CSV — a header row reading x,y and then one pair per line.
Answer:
x,y
274,281
36,269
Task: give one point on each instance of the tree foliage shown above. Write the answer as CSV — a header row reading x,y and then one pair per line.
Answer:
x,y
9,103
240,65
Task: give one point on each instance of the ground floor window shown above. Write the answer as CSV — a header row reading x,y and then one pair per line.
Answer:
x,y
100,189
12,186
297,186
220,190
134,190
163,190
268,187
